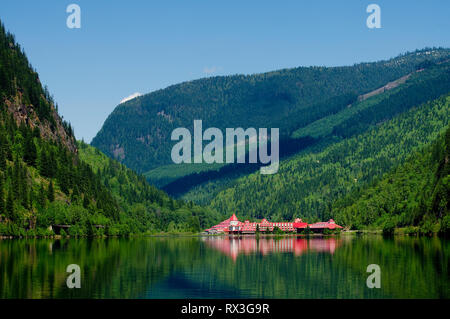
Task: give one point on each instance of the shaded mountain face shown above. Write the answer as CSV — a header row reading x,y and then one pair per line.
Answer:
x,y
138,131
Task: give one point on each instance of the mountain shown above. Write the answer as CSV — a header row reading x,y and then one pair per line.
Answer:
x,y
138,131
417,192
370,110
307,184
22,94
46,179
341,128
144,208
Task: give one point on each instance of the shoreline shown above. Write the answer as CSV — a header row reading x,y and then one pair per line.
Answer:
x,y
399,233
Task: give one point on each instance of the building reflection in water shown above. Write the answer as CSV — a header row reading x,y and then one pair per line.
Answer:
x,y
233,246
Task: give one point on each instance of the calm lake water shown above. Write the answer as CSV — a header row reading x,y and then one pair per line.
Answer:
x,y
222,267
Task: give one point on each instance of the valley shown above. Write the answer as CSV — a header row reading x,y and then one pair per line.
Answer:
x,y
341,131
311,131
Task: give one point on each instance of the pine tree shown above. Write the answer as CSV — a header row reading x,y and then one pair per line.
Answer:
x,y
30,198
63,180
25,199
30,153
42,197
36,132
2,156
75,193
43,164
16,179
85,201
52,164
9,206
24,185
2,197
51,192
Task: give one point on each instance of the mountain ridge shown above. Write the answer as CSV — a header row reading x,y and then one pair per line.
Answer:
x,y
307,185
26,99
137,132
430,83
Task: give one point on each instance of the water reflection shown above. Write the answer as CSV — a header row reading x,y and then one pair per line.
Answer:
x,y
223,267
233,246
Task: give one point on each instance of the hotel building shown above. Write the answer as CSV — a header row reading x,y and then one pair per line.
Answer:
x,y
233,226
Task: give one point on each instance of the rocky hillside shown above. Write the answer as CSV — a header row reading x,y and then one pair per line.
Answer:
x,y
25,98
48,188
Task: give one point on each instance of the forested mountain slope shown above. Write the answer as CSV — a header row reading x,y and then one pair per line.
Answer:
x,y
308,184
415,193
138,131
145,208
421,86
39,167
22,94
355,119
44,182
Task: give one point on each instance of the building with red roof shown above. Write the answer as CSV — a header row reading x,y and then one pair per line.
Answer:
x,y
232,225
321,226
299,224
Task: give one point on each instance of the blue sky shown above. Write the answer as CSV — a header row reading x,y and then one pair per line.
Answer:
x,y
131,46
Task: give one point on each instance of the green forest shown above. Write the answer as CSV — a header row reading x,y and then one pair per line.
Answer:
x,y
155,259
137,132
307,185
416,193
46,179
355,119
143,207
368,160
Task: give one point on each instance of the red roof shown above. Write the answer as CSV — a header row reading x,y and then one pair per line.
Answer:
x,y
264,224
329,224
300,225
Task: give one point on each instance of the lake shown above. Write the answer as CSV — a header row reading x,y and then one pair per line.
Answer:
x,y
223,267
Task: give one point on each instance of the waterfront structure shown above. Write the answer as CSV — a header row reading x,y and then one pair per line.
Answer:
x,y
232,225
320,226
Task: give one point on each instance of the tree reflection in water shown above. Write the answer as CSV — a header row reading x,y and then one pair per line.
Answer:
x,y
224,267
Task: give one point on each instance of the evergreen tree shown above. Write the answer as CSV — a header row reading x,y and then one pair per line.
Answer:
x,y
30,152
36,132
26,199
16,179
9,206
2,197
85,201
75,193
44,164
63,180
30,198
42,196
2,158
51,192
52,164
24,186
